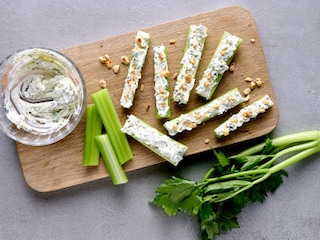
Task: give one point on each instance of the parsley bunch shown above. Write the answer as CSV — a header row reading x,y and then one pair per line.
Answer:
x,y
235,181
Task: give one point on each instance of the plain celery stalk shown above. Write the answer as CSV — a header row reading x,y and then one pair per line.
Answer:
x,y
115,170
112,124
91,154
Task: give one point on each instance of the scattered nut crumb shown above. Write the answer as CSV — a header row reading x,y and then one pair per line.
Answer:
x,y
246,98
172,41
109,64
147,107
247,91
206,141
141,88
231,68
175,76
116,68
252,85
104,59
258,82
102,83
252,40
125,60
248,79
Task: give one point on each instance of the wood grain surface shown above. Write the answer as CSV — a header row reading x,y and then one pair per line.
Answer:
x,y
59,166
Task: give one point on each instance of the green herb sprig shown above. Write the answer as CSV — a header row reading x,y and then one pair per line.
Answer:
x,y
235,181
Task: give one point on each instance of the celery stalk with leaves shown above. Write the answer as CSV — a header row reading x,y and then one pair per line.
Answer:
x,y
234,181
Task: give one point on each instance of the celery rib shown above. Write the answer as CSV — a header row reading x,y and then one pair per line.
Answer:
x,y
189,64
115,170
222,57
93,128
112,124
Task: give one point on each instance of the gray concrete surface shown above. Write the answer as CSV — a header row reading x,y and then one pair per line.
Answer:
x,y
290,34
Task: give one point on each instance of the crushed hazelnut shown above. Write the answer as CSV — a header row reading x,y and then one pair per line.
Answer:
x,y
109,64
252,40
147,107
175,76
248,79
172,41
141,88
258,82
125,60
231,68
247,114
165,73
252,85
206,141
246,98
116,68
102,83
104,59
247,91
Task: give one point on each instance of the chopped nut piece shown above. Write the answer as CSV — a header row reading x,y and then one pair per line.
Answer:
x,y
188,78
172,41
252,40
252,85
116,68
206,141
175,76
261,110
125,60
266,101
147,107
109,64
102,83
231,68
104,59
247,91
247,98
248,79
165,73
141,88
247,114
258,82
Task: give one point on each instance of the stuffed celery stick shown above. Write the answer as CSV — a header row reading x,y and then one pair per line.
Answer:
x,y
115,170
189,64
91,154
161,82
245,115
112,124
219,63
159,143
139,54
190,120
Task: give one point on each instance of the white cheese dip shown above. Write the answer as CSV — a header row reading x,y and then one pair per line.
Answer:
x,y
41,95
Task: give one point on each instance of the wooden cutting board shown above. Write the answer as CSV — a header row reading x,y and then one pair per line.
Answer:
x,y
59,166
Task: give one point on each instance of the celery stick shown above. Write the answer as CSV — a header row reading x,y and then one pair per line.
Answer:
x,y
159,143
189,64
139,54
112,124
244,115
91,154
115,170
226,49
215,107
161,82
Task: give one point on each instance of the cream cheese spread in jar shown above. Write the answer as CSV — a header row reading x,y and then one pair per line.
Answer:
x,y
41,95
